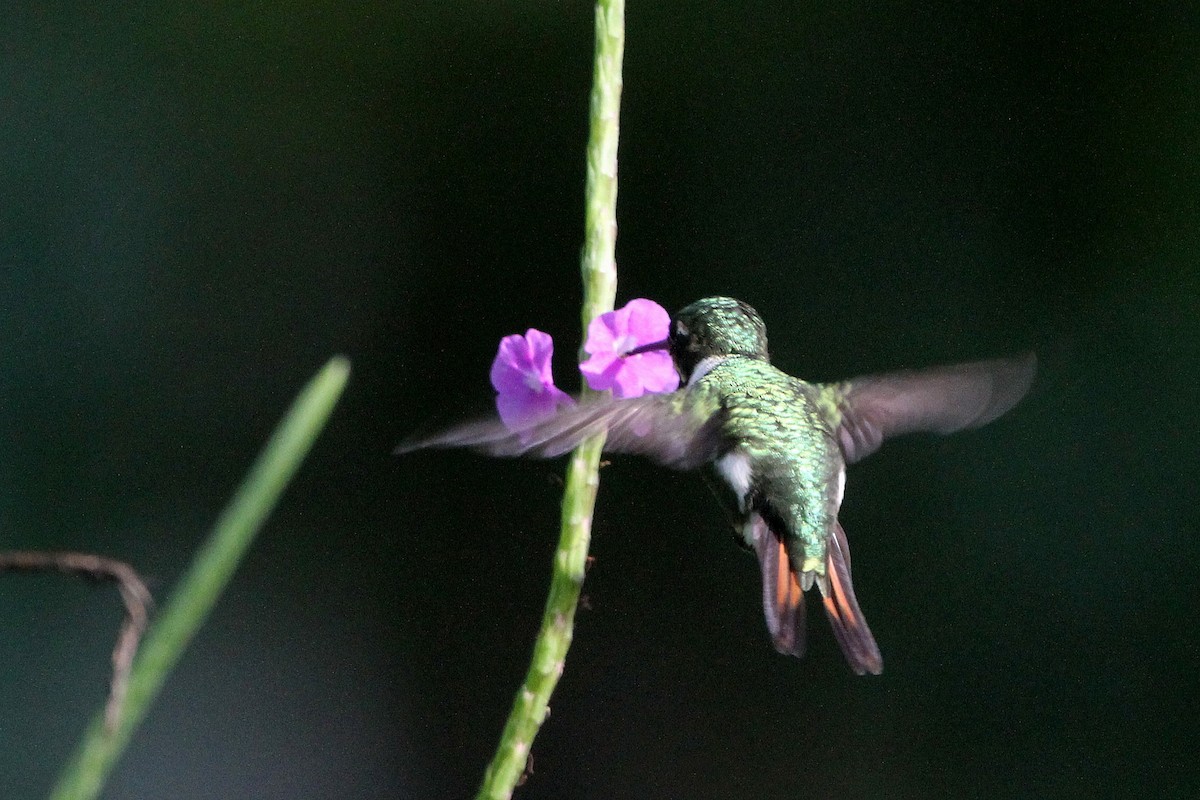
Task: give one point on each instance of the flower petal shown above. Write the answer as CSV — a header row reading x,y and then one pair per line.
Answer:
x,y
657,372
524,382
647,321
613,334
596,367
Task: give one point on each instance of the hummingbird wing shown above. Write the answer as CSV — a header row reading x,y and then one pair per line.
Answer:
x,y
679,430
942,400
783,600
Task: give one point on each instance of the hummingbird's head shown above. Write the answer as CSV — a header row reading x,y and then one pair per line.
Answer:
x,y
715,327
712,328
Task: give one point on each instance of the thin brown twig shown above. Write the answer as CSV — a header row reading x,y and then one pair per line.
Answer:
x,y
134,595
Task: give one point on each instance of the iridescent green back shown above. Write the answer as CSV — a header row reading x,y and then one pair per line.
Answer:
x,y
779,422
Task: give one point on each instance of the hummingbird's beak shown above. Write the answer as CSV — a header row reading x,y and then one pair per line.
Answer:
x,y
646,348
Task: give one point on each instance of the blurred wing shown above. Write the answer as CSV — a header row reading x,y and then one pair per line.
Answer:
x,y
783,601
676,430
938,400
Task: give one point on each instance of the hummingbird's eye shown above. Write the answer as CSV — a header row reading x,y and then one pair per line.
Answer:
x,y
682,339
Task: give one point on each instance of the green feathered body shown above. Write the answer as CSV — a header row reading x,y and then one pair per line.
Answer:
x,y
780,456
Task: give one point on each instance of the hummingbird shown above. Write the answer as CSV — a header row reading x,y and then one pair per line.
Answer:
x,y
774,446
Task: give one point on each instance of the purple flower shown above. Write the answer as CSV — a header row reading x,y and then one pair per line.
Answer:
x,y
613,334
525,390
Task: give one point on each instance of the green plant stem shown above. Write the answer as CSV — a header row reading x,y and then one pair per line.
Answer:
x,y
211,568
583,472
600,210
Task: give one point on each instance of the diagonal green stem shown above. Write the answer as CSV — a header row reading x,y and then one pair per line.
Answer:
x,y
583,473
210,571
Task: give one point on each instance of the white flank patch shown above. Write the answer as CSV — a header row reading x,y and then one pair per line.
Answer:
x,y
734,467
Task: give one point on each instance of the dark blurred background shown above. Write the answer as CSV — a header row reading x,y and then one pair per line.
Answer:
x,y
201,205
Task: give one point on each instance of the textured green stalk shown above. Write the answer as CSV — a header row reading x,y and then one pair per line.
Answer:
x,y
210,571
583,473
600,220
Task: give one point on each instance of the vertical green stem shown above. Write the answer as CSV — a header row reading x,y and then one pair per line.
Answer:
x,y
600,220
583,473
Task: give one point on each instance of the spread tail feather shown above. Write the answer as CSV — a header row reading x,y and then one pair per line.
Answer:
x,y
783,600
845,617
